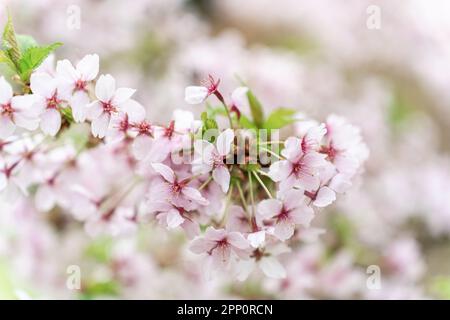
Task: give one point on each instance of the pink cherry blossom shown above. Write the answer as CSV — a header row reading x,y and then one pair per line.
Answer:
x,y
15,111
110,101
74,82
175,191
299,170
289,210
49,100
213,158
198,94
221,245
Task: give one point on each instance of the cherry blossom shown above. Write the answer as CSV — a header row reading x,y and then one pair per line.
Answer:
x,y
198,94
174,190
221,246
213,158
74,82
110,101
15,111
289,210
49,100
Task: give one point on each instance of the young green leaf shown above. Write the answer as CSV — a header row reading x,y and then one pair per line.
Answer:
x,y
279,118
10,42
25,42
5,59
255,109
33,57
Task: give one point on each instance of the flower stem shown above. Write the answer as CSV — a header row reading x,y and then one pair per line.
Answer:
x,y
272,153
205,184
262,184
251,192
221,99
241,194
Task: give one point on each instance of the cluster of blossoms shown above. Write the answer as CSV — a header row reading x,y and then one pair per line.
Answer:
x,y
250,199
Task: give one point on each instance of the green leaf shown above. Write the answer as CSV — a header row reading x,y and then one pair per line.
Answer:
x,y
5,59
279,118
25,42
256,109
33,57
209,124
10,41
246,123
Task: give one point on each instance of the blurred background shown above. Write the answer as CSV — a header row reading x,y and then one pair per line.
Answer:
x,y
385,65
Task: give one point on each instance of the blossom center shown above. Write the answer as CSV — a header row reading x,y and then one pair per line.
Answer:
x,y
80,85
7,110
53,101
108,107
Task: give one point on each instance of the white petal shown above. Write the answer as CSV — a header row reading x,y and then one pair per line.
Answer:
x,y
3,182
240,99
284,230
280,170
66,71
195,94
88,67
224,141
100,125
122,95
7,127
257,239
44,198
244,268
24,103
292,148
105,88
195,195
26,123
142,146
340,183
50,122
221,176
293,198
94,110
272,268
237,240
79,104
134,110
6,92
165,171
43,84
324,197
174,219
269,208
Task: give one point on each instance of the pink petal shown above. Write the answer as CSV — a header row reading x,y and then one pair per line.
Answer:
x,y
256,239
324,197
166,172
240,99
195,94
272,268
43,84
292,148
105,88
174,219
201,245
94,110
237,240
79,103
122,95
280,170
50,122
66,71
45,198
302,215
269,208
284,230
293,198
88,67
224,141
195,195
99,126
6,92
7,127
142,145
134,110
221,176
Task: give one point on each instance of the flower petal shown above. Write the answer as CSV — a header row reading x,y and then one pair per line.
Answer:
x,y
100,125
221,176
105,88
272,268
195,94
324,197
50,122
7,127
122,95
224,141
6,92
43,84
165,171
195,195
174,219
269,208
88,67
